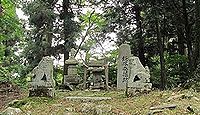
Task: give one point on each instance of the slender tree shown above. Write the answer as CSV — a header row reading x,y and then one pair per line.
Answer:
x,y
197,31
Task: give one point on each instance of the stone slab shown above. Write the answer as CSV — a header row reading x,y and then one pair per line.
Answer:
x,y
88,98
169,106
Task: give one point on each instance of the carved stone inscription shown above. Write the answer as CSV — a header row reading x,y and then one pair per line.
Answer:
x,y
123,66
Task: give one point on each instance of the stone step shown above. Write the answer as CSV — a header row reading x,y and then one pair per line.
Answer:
x,y
87,98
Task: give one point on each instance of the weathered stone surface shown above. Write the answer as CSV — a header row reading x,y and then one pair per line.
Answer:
x,y
92,109
71,79
138,70
169,106
140,85
130,68
96,79
139,76
86,99
42,81
123,66
98,75
43,73
72,60
95,63
12,111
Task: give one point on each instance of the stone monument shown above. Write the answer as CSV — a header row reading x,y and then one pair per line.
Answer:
x,y
139,76
72,78
130,68
42,83
123,66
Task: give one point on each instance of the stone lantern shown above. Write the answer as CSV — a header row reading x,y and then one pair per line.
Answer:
x,y
72,78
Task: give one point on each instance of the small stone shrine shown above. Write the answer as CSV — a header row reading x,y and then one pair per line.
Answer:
x,y
42,83
131,69
72,78
98,75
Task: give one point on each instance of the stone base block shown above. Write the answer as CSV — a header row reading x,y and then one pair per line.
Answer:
x,y
41,92
72,79
41,84
97,86
139,85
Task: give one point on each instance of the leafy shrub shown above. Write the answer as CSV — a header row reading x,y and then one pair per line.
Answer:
x,y
176,68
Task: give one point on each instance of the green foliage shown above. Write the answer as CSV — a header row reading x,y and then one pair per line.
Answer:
x,y
93,24
39,38
58,75
4,77
48,26
40,13
112,60
10,35
92,18
132,21
195,81
176,70
10,28
32,101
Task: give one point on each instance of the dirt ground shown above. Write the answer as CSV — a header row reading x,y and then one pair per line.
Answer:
x,y
8,92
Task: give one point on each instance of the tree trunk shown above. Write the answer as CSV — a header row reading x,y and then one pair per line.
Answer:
x,y
181,47
197,37
140,37
188,36
66,57
161,53
66,48
49,38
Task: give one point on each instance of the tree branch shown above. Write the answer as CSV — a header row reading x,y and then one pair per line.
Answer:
x,y
99,44
86,34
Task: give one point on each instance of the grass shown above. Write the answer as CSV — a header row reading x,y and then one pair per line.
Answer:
x,y
136,105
